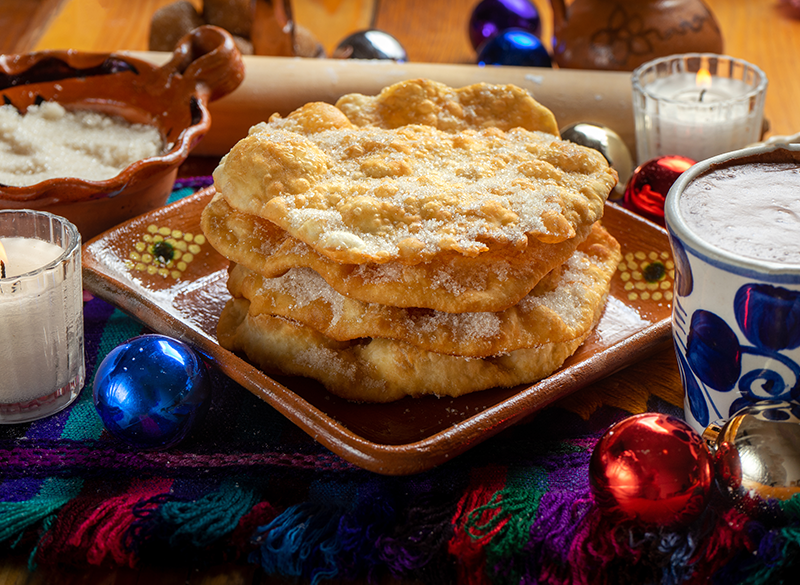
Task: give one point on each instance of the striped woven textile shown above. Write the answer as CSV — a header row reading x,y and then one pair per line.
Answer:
x,y
249,487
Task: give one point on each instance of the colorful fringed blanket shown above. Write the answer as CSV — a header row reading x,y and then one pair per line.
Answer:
x,y
249,487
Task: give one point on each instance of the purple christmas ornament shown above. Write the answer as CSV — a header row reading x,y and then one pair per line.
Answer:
x,y
491,17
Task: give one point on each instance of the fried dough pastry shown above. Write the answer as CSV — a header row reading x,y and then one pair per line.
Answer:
x,y
427,240
378,370
422,101
562,307
412,194
455,283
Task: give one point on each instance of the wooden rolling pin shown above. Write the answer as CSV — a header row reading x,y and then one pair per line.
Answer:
x,y
283,84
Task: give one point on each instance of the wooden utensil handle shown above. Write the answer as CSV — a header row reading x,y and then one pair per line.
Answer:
x,y
207,56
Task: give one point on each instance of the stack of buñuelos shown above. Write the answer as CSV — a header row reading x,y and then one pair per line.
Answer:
x,y
427,240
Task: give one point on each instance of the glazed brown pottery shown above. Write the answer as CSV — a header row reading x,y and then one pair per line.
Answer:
x,y
620,35
204,66
412,434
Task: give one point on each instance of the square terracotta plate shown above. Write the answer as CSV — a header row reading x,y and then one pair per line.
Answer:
x,y
402,437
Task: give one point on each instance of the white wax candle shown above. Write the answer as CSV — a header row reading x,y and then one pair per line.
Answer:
x,y
701,121
696,105
27,254
685,87
35,332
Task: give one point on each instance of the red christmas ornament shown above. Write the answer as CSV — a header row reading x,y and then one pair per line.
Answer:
x,y
652,468
649,184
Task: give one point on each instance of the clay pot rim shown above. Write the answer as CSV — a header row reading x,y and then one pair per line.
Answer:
x,y
207,64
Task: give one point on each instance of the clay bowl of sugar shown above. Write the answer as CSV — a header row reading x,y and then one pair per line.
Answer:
x,y
98,138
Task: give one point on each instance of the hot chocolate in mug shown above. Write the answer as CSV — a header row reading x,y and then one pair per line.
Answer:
x,y
734,228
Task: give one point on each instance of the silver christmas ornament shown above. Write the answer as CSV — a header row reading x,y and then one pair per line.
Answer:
x,y
371,44
757,455
609,144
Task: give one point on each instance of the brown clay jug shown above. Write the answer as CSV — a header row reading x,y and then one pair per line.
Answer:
x,y
620,35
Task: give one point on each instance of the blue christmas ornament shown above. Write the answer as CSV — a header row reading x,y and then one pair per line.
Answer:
x,y
151,391
514,47
491,17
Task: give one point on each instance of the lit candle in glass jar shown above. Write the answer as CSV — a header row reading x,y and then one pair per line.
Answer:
x,y
41,311
697,106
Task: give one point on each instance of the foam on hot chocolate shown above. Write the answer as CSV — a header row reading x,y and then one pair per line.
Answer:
x,y
752,210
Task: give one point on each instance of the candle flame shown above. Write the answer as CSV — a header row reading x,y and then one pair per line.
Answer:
x,y
703,78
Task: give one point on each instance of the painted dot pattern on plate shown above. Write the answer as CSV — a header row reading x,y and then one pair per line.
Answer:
x,y
648,276
164,251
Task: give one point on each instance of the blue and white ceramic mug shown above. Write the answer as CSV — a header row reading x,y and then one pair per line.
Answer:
x,y
734,228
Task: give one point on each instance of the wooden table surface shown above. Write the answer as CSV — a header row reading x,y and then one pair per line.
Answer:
x,y
760,31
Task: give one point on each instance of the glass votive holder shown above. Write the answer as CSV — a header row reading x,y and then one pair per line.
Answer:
x,y
696,105
41,311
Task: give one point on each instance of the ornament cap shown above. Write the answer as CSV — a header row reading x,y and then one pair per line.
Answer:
x,y
711,434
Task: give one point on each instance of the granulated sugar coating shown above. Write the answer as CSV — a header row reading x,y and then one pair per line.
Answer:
x,y
424,241
48,142
560,308
410,194
380,369
454,283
